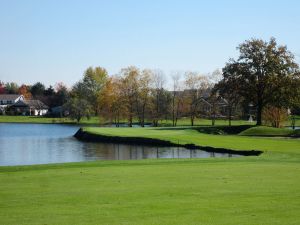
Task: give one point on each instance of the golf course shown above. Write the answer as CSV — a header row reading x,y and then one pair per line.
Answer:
x,y
250,190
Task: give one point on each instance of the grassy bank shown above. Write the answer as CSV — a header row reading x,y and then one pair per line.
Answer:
x,y
270,131
246,190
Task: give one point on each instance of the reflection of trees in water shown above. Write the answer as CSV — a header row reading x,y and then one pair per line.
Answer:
x,y
130,152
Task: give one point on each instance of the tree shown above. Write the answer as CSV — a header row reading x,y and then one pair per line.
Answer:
x,y
106,100
143,94
94,80
275,116
196,85
129,79
265,73
228,88
2,88
61,94
37,89
78,108
49,91
176,98
11,88
111,101
158,93
25,91
77,105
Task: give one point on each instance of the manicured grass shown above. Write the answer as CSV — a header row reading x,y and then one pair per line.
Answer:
x,y
246,190
267,131
217,191
94,120
39,119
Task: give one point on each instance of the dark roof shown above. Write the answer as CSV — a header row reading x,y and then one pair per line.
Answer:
x,y
37,104
9,97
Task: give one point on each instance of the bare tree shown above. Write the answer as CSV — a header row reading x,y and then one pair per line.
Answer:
x,y
177,97
158,91
196,84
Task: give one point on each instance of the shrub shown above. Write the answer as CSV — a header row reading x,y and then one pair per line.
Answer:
x,y
274,116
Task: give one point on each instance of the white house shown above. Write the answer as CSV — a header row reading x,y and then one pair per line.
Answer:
x,y
9,99
29,107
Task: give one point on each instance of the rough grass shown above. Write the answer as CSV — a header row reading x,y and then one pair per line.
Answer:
x,y
246,190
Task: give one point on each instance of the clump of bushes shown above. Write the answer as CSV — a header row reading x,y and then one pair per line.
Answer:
x,y
275,116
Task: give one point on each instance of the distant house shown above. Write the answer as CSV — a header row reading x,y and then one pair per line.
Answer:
x,y
29,107
8,100
206,107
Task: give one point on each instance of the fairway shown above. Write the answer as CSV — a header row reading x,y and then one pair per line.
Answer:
x,y
148,192
245,190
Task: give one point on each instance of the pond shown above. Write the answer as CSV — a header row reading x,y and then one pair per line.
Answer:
x,y
28,144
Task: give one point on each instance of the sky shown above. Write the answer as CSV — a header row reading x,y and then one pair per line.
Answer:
x,y
55,41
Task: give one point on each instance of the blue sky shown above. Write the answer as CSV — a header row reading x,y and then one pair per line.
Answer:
x,y
53,41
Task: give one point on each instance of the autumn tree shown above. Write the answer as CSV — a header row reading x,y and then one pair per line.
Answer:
x,y
111,101
25,91
143,94
276,117
129,87
265,72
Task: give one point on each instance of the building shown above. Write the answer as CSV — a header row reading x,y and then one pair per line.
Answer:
x,y
7,100
29,107
219,106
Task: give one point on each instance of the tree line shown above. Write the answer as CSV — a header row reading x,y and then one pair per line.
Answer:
x,y
265,78
52,96
135,94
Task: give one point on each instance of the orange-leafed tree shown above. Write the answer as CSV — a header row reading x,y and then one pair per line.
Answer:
x,y
25,91
111,102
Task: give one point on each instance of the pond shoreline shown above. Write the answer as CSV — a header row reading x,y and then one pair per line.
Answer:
x,y
89,137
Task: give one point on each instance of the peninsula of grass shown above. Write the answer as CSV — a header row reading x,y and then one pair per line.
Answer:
x,y
216,191
188,135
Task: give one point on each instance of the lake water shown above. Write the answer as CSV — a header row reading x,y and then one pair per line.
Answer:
x,y
28,144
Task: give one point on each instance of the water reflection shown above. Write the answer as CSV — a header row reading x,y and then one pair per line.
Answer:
x,y
27,144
